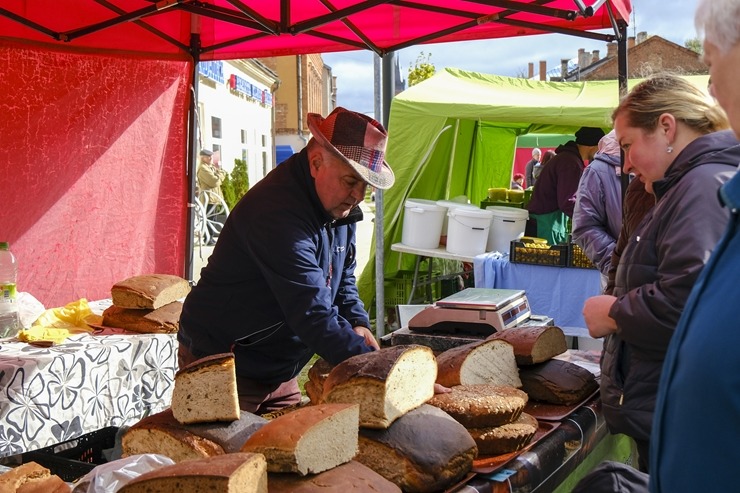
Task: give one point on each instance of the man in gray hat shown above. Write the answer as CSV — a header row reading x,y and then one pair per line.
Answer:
x,y
280,285
554,197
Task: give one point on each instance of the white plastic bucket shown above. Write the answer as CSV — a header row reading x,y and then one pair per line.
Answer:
x,y
468,230
507,224
422,223
451,204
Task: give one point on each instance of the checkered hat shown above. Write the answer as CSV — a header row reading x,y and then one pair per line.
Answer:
x,y
358,140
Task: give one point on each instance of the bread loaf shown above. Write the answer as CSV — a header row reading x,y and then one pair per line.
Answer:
x,y
230,473
11,480
162,434
505,438
308,440
51,484
205,391
317,375
149,291
481,405
534,344
347,478
386,383
165,319
490,362
424,450
558,382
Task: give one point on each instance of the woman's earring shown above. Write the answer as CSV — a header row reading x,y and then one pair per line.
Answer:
x,y
669,149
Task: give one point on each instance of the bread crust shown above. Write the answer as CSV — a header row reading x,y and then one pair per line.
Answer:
x,y
534,344
482,405
163,320
149,291
346,478
558,382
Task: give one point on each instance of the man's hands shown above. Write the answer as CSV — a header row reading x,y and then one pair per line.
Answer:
x,y
367,335
596,314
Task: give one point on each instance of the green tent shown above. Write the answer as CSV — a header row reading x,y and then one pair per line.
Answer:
x,y
455,134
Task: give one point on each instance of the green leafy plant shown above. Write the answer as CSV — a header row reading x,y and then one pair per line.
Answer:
x,y
236,183
422,69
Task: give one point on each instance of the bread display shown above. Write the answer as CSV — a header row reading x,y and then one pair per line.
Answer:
x,y
505,438
534,344
425,450
347,478
163,320
149,291
205,391
162,434
558,382
308,440
230,473
386,383
490,362
481,405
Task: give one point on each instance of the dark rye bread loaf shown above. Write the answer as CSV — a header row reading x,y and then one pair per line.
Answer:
x,y
347,478
558,382
162,434
230,473
163,320
490,362
481,405
386,383
534,344
505,438
424,450
149,291
205,391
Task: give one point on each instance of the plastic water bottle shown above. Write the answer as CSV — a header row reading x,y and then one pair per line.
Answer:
x,y
9,322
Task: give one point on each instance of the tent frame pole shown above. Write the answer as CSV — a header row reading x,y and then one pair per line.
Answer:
x,y
192,157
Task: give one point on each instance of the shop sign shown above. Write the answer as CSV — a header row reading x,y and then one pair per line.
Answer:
x,y
213,70
241,85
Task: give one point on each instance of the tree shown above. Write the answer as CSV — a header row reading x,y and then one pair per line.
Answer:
x,y
236,184
694,44
422,69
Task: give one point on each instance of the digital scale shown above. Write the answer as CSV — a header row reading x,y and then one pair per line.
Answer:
x,y
480,311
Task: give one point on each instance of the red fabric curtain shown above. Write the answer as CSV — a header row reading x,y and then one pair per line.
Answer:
x,y
92,160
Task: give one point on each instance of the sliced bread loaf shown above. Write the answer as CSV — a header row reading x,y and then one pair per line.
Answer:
x,y
230,473
425,450
490,362
149,291
386,384
308,440
205,391
534,344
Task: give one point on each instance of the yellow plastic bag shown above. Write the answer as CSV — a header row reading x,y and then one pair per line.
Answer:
x,y
56,324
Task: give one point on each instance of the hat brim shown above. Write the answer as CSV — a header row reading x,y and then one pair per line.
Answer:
x,y
382,180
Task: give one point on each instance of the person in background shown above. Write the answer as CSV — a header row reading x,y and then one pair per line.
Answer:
x,y
518,182
529,167
280,284
699,395
209,174
549,154
672,141
597,216
554,196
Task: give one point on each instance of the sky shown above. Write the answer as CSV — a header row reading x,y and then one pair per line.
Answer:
x,y
672,20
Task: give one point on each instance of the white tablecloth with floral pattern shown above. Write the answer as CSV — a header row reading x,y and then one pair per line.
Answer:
x,y
89,382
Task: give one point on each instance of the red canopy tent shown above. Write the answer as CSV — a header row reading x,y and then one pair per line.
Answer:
x,y
97,157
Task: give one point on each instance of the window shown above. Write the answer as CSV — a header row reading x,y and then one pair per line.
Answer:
x,y
265,169
215,127
244,136
264,140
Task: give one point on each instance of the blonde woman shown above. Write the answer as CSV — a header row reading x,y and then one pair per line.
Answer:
x,y
672,140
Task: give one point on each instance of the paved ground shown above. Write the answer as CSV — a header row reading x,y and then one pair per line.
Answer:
x,y
364,241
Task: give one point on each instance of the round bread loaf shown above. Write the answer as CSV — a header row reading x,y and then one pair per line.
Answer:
x,y
505,438
482,405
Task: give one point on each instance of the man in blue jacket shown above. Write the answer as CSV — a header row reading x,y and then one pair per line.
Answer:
x,y
280,284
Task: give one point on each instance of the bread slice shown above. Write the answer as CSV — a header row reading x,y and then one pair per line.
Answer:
x,y
490,362
386,384
558,382
347,478
534,344
162,434
149,291
425,450
163,320
15,478
205,391
309,440
505,438
482,405
230,473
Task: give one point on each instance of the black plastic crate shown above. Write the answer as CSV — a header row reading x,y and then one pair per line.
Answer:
x,y
531,253
74,458
577,258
